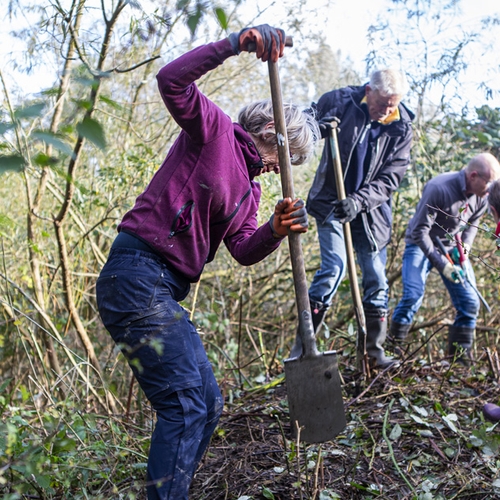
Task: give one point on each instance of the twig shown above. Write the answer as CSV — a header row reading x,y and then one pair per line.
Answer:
x,y
316,472
391,451
359,396
283,436
299,481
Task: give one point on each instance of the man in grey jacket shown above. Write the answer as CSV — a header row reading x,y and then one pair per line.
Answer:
x,y
374,137
449,202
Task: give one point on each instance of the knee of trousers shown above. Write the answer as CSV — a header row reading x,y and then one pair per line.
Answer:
x,y
185,406
470,307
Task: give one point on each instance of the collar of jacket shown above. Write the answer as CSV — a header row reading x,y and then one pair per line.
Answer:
x,y
393,117
462,177
249,150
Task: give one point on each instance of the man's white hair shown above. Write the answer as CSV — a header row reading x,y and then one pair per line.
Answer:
x,y
389,81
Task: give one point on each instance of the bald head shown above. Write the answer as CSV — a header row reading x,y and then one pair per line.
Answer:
x,y
480,172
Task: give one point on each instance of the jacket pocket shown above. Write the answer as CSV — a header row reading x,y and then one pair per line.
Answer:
x,y
183,219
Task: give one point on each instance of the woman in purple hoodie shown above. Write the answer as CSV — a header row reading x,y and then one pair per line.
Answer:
x,y
204,194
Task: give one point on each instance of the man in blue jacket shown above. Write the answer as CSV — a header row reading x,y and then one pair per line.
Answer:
x,y
375,136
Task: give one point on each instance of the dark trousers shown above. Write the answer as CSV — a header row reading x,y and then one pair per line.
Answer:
x,y
138,297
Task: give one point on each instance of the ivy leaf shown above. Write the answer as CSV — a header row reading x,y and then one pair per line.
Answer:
x,y
4,127
193,21
32,111
93,131
110,102
52,139
267,493
484,137
221,17
395,433
419,420
449,421
11,162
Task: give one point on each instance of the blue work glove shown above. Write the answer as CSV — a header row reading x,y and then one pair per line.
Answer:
x,y
345,210
289,214
269,42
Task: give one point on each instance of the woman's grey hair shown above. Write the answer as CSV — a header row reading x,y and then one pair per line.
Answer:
x,y
389,81
302,129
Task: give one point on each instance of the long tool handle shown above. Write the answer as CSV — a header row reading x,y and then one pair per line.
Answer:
x,y
361,355
462,258
298,268
442,249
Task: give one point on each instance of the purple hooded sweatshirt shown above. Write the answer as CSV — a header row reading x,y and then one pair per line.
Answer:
x,y
204,192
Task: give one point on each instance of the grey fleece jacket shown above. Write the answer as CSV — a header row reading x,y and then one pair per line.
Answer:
x,y
445,207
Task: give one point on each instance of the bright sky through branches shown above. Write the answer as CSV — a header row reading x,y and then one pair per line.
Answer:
x,y
345,24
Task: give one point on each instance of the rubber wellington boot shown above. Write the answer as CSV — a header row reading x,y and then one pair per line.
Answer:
x,y
376,333
397,335
318,311
460,340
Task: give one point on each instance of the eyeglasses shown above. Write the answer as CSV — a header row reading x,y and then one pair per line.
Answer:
x,y
487,181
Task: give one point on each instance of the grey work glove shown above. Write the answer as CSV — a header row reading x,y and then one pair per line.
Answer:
x,y
345,210
453,273
326,125
287,215
269,42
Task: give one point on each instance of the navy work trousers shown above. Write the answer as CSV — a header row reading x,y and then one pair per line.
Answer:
x,y
138,297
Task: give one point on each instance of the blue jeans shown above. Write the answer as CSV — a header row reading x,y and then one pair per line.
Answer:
x,y
333,266
138,297
416,268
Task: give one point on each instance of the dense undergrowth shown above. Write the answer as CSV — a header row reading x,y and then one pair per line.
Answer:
x,y
412,433
73,424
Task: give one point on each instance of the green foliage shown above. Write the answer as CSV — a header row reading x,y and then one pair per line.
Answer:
x,y
479,134
54,440
11,163
92,130
55,140
62,449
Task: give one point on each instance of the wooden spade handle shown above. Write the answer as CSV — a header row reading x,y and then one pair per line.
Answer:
x,y
306,330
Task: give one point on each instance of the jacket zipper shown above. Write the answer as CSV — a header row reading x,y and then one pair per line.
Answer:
x,y
357,140
236,210
173,231
364,216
